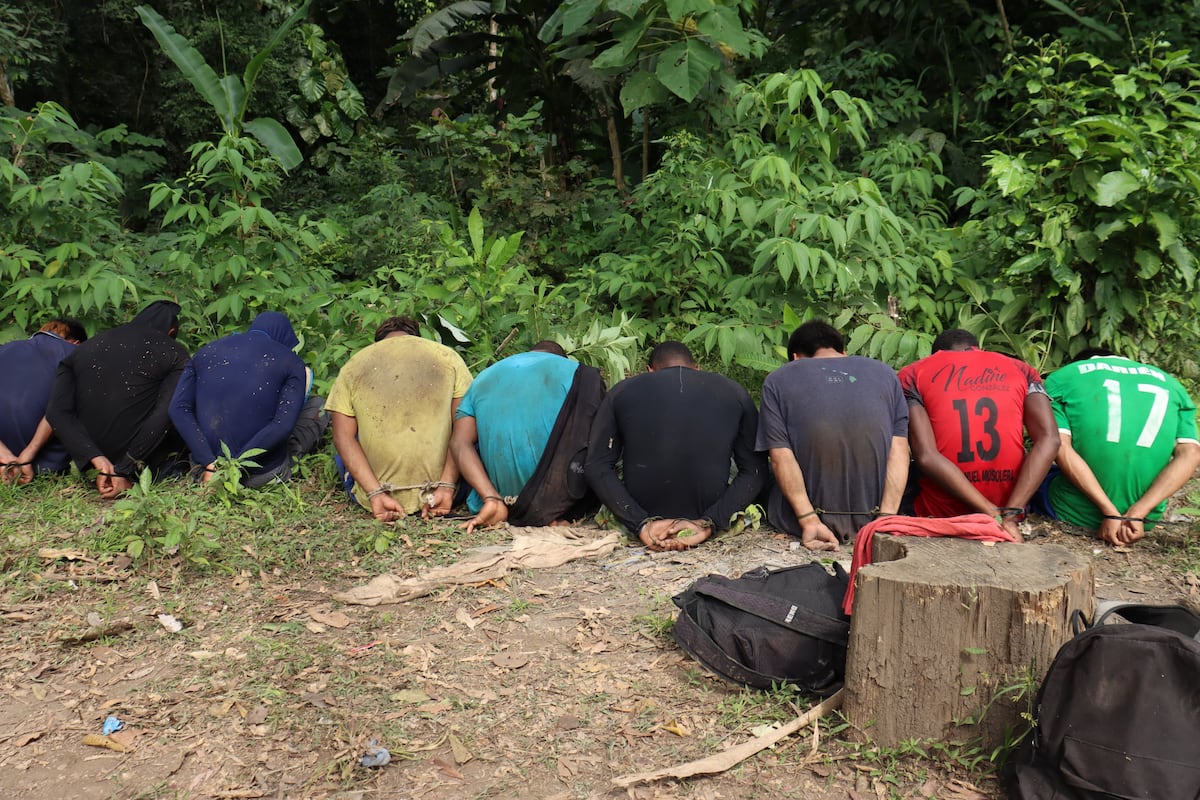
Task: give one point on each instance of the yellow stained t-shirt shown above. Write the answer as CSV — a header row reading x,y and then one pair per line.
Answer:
x,y
400,391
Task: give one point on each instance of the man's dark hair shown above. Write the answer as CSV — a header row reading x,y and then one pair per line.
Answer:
x,y
812,336
1091,352
955,339
392,325
70,329
549,346
671,354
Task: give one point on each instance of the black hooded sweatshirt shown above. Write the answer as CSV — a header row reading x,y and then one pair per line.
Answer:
x,y
111,395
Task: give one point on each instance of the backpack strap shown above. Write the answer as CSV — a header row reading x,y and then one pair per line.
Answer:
x,y
1174,618
790,615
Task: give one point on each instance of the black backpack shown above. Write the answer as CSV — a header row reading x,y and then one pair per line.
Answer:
x,y
1118,715
769,627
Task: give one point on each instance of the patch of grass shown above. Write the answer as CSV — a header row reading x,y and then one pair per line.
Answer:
x,y
748,708
656,625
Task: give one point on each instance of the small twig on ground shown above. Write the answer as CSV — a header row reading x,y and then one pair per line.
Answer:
x,y
94,633
736,754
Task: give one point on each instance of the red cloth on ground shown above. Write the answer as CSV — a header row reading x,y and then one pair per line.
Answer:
x,y
979,527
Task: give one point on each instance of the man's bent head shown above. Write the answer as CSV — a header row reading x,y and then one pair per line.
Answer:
x,y
671,354
955,339
405,325
812,336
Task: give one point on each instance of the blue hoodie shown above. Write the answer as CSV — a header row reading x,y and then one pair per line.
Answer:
x,y
245,390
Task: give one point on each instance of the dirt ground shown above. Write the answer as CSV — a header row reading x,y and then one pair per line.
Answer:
x,y
545,684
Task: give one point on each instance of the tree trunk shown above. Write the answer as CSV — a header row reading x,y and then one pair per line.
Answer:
x,y
6,92
614,147
946,629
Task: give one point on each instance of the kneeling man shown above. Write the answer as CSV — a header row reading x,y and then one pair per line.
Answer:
x,y
520,435
392,406
675,430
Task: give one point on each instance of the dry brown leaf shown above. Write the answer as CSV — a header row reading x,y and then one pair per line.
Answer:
x,y
674,727
138,674
315,627
510,660
25,739
439,707
448,769
334,619
461,754
67,554
257,716
153,591
411,696
39,691
125,737
463,616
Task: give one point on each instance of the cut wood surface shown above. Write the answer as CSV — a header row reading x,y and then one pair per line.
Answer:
x,y
946,629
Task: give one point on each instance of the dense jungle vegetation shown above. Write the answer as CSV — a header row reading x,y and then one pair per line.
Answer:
x,y
610,172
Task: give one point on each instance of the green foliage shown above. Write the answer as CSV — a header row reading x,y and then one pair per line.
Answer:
x,y
1087,216
152,519
230,95
329,106
658,48
62,247
500,169
222,249
792,206
27,41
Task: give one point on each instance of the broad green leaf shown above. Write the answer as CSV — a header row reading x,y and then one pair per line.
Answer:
x,y
256,64
475,230
861,335
685,67
503,250
1087,22
1027,263
1168,229
614,59
578,14
446,21
277,141
723,26
1114,187
627,8
1087,245
642,89
190,62
1076,316
1149,262
677,10
1125,86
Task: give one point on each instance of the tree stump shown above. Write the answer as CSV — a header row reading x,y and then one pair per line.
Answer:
x,y
945,630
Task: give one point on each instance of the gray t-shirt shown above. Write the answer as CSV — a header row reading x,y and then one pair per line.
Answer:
x,y
838,416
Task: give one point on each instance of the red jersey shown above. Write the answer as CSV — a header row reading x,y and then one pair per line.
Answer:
x,y
976,406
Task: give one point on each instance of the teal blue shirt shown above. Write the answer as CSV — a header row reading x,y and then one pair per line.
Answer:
x,y
515,403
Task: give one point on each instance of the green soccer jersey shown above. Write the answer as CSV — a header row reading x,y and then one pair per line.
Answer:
x,y
1124,419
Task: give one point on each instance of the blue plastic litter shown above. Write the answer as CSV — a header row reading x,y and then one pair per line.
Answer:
x,y
376,756
112,725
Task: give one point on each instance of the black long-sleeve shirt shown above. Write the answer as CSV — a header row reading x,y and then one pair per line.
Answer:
x,y
111,395
674,431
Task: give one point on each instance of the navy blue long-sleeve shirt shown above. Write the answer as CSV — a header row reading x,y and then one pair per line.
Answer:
x,y
244,390
28,367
